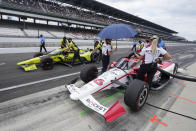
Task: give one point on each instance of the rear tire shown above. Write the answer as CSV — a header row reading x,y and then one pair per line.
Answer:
x,y
47,64
88,73
136,94
38,54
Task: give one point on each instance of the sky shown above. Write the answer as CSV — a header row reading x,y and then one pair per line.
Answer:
x,y
178,15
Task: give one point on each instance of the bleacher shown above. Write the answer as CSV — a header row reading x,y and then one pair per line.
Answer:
x,y
11,32
32,33
65,11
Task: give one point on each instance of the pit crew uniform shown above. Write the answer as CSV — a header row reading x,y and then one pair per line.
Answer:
x,y
140,46
149,65
73,47
105,56
64,44
99,47
134,46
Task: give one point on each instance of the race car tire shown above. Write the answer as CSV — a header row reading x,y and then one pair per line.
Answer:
x,y
88,73
38,54
136,94
47,64
94,57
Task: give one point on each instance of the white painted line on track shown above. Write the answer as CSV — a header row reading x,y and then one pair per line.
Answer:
x,y
40,81
35,82
2,64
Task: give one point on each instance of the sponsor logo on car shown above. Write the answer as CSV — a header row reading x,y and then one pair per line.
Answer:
x,y
72,88
98,81
95,105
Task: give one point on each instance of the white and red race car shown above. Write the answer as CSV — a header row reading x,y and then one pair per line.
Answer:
x,y
121,74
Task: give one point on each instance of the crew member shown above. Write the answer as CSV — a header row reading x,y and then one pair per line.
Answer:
x,y
106,53
73,47
98,47
101,42
64,42
151,53
42,43
140,45
161,44
134,45
146,43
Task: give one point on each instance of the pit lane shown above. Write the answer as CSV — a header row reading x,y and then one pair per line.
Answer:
x,y
55,110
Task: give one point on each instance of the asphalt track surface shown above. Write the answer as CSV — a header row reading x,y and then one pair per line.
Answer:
x,y
12,76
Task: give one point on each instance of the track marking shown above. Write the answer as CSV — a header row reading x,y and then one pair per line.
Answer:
x,y
180,82
183,98
2,64
154,118
40,81
35,82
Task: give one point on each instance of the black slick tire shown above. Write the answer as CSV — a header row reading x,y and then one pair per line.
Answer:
x,y
88,73
136,94
47,64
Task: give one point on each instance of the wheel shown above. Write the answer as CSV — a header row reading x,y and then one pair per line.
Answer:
x,y
38,54
94,57
47,63
136,94
88,73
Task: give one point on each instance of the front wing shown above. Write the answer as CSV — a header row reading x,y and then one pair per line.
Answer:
x,y
109,114
29,67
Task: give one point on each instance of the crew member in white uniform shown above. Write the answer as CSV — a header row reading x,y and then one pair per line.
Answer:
x,y
150,54
106,53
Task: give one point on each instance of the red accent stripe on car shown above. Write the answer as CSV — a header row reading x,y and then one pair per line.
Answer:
x,y
166,64
110,83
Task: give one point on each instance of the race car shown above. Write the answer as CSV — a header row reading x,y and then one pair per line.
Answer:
x,y
46,61
121,74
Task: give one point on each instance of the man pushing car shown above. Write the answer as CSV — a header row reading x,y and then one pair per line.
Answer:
x,y
73,47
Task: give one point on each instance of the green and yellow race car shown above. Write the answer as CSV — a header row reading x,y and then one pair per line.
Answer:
x,y
57,56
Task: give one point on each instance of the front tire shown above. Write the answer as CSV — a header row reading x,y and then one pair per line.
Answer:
x,y
136,94
88,73
47,64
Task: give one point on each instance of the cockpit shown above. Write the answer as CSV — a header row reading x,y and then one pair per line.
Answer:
x,y
57,51
127,64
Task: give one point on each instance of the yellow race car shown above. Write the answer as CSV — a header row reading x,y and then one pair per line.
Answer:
x,y
57,56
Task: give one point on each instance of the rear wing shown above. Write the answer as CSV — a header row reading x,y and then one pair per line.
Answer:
x,y
110,114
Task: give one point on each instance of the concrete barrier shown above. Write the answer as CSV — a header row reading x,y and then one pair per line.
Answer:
x,y
6,42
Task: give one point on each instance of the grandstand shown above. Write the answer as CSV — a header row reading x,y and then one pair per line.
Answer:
x,y
80,19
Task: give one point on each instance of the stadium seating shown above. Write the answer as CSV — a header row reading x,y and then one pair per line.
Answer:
x,y
11,32
62,10
32,33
